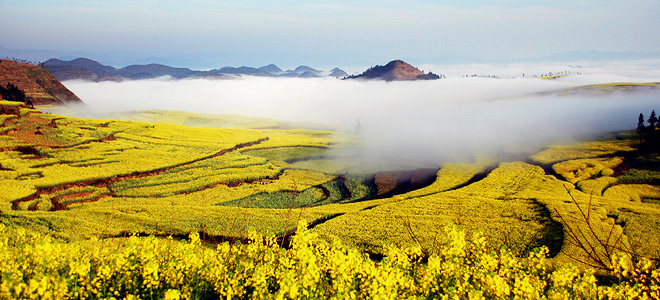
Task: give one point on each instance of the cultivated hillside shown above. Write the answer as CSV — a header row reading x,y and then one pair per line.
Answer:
x,y
39,86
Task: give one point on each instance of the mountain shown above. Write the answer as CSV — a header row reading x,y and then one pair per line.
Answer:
x,y
82,63
40,87
272,69
80,69
87,69
72,73
396,70
153,71
309,74
337,73
303,69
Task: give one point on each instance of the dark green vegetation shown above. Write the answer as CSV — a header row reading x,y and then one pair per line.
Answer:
x,y
12,93
342,189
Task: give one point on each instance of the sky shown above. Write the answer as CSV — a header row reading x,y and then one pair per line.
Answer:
x,y
209,34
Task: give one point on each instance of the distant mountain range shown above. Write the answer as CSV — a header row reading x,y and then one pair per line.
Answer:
x,y
204,61
396,70
87,69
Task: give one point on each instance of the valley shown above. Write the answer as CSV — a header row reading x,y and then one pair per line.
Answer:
x,y
113,177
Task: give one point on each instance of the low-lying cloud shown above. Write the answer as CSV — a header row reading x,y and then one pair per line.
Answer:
x,y
426,121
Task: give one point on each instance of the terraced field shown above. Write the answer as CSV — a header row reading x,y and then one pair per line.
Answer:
x,y
79,178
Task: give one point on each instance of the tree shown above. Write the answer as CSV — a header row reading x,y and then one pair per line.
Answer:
x,y
641,129
652,121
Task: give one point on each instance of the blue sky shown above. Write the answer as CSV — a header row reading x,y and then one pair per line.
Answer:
x,y
204,33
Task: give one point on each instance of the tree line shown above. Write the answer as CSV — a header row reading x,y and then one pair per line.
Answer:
x,y
13,93
25,61
648,133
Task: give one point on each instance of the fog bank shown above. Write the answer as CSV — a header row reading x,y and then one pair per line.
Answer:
x,y
427,121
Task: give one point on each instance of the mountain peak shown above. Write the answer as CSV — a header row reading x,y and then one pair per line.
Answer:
x,y
396,70
272,68
304,69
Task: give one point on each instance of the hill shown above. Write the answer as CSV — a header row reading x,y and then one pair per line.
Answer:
x,y
396,70
273,69
87,69
40,87
81,63
337,72
152,71
305,69
80,69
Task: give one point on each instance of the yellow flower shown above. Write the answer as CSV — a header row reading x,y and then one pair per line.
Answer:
x,y
172,294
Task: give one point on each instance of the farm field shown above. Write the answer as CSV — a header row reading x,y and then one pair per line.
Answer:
x,y
74,179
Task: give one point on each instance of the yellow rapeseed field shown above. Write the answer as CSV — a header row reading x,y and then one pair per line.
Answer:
x,y
78,186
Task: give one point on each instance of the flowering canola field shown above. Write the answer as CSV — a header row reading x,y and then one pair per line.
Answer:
x,y
79,187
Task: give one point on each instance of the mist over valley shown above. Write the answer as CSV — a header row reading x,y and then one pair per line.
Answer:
x,y
492,109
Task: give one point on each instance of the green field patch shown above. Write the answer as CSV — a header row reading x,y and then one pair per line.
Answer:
x,y
640,175
648,162
360,187
339,190
280,199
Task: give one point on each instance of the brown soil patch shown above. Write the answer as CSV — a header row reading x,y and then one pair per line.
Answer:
x,y
391,183
63,198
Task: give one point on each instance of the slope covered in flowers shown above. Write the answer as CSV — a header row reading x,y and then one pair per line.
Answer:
x,y
75,179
